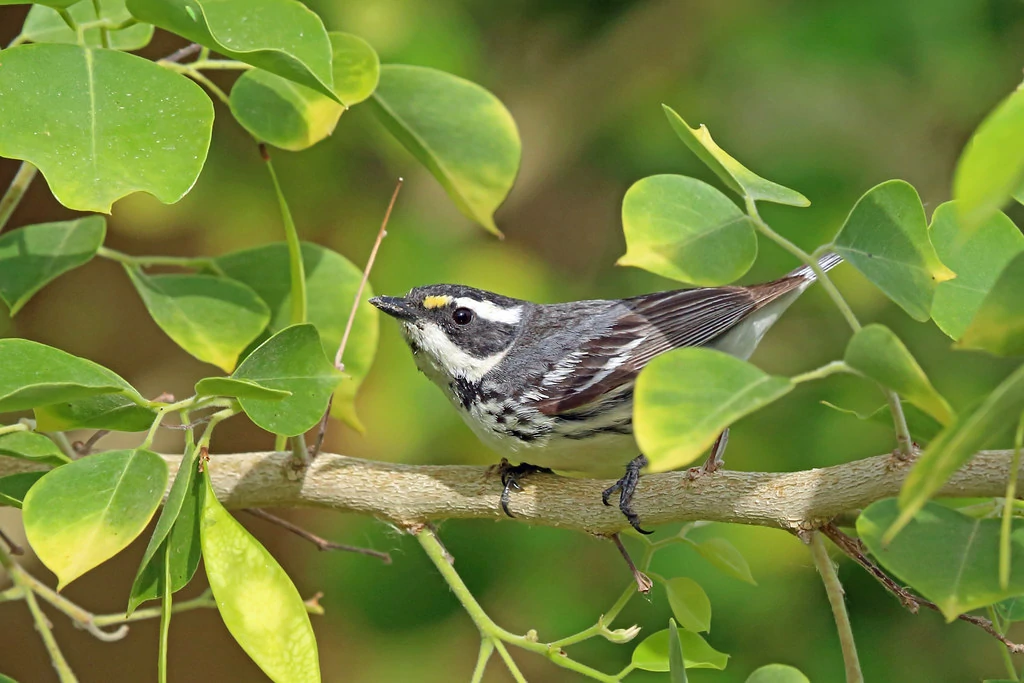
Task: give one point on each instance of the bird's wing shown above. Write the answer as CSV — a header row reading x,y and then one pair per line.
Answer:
x,y
646,326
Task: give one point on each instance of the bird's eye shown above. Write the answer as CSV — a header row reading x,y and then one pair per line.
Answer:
x,y
462,316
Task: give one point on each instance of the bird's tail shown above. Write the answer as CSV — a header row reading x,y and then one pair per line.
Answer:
x,y
827,262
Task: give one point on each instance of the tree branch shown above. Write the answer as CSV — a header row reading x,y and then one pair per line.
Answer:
x,y
407,495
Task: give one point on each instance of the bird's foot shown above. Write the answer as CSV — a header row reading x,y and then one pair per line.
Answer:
x,y
511,475
715,461
626,487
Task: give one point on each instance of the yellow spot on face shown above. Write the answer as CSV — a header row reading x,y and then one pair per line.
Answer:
x,y
436,301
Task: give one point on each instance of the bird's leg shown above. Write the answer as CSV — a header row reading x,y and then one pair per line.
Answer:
x,y
626,487
715,460
511,476
643,582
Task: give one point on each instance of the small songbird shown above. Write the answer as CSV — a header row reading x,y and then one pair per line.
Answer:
x,y
551,385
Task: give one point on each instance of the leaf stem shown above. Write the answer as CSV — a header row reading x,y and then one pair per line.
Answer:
x,y
166,609
1001,629
8,429
194,263
832,368
1011,494
203,63
16,190
197,76
486,650
19,576
836,598
104,34
296,267
488,629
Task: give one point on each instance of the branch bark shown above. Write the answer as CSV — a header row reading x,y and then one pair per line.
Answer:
x,y
407,495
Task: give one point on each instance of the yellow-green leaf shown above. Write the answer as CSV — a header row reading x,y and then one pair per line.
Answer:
x,y
998,326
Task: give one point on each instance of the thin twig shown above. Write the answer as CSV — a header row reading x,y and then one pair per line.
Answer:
x,y
86,447
11,545
837,599
643,582
182,53
322,427
16,190
913,603
318,541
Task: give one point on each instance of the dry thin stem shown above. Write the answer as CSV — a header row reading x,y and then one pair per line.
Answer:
x,y
322,426
643,582
318,541
855,550
182,53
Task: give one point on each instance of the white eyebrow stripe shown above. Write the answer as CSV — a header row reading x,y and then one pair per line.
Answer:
x,y
491,311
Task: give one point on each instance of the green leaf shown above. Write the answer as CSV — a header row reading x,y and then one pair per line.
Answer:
x,y
33,256
923,427
256,599
676,659
652,653
294,117
292,360
977,257
238,388
886,238
462,133
102,124
331,284
684,229
356,67
14,487
83,513
725,556
33,447
36,375
991,167
955,445
45,25
734,174
689,603
6,679
950,558
1011,608
686,398
212,318
777,673
117,412
283,37
177,528
877,353
998,326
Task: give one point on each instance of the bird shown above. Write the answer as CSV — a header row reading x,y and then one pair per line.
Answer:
x,y
550,386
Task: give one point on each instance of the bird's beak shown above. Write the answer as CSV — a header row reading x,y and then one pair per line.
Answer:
x,y
395,306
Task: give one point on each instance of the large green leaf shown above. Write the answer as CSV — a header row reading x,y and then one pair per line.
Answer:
x,y
876,352
690,604
998,326
735,175
652,653
118,412
977,256
956,444
280,36
991,167
33,447
777,673
294,117
36,374
102,124
331,284
177,528
462,133
684,229
83,513
33,256
950,558
725,557
292,360
14,487
213,318
255,598
886,238
686,398
45,25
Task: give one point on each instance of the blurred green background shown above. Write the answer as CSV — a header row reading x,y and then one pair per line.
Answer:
x,y
827,97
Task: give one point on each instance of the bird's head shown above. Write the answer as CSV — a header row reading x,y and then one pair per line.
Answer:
x,y
456,332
